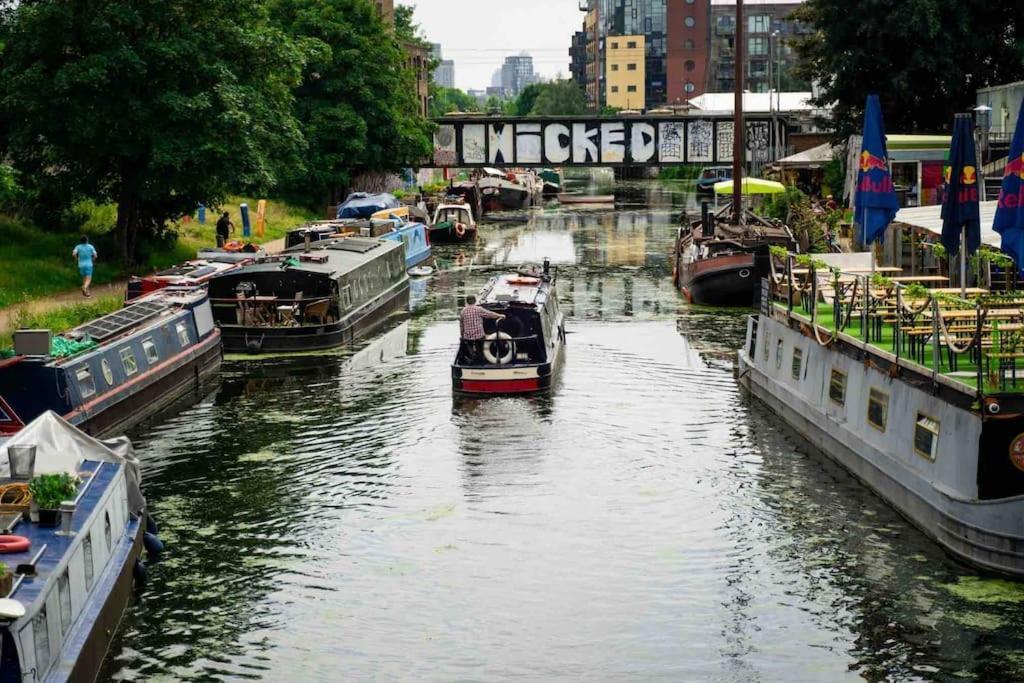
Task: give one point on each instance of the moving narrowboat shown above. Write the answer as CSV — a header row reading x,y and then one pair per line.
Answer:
x,y
71,582
311,297
521,353
453,223
721,264
499,190
189,274
114,372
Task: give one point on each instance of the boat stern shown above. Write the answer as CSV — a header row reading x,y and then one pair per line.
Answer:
x,y
483,381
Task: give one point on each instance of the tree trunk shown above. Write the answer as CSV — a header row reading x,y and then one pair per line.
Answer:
x,y
127,230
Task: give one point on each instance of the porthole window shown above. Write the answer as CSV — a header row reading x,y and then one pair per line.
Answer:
x,y
64,598
128,362
108,373
41,640
152,353
689,87
926,437
878,409
778,354
88,559
182,329
837,387
798,360
86,385
690,22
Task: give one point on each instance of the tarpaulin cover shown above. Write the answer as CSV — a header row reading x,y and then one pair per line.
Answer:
x,y
61,447
363,205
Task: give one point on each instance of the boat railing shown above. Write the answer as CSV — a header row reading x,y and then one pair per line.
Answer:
x,y
965,333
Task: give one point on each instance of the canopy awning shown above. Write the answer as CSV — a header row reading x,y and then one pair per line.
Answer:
x,y
929,218
751,186
815,157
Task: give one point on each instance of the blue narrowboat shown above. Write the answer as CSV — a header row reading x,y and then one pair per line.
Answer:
x,y
406,225
66,587
111,373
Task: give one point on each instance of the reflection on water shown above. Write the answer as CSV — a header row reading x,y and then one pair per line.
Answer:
x,y
343,513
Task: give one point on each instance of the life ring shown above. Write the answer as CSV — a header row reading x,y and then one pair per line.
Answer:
x,y
523,280
493,342
744,273
233,245
460,229
14,544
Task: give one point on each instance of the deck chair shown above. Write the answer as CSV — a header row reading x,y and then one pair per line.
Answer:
x,y
316,311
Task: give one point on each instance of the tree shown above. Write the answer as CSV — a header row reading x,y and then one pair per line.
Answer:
x,y
444,100
560,98
925,58
357,102
156,105
523,104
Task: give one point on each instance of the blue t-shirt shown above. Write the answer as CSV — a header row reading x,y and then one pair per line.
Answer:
x,y
85,253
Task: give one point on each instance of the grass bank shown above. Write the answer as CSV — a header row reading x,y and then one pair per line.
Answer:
x,y
35,263
60,319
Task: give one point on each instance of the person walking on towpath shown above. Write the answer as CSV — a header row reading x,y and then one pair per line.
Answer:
x,y
471,325
86,255
224,229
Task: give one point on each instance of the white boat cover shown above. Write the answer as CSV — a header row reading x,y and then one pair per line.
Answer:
x,y
61,447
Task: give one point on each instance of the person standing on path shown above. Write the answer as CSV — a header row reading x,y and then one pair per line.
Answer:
x,y
471,326
224,229
86,255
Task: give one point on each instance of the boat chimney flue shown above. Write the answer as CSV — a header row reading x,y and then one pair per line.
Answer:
x,y
705,220
306,241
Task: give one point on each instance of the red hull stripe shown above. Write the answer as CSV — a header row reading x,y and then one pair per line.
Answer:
x,y
500,386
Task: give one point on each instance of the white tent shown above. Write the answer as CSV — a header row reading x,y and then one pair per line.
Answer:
x,y
61,447
930,218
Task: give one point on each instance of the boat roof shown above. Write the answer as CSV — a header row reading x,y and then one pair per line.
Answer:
x,y
142,312
513,288
343,254
192,269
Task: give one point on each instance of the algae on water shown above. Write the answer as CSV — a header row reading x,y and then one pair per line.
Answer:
x,y
988,591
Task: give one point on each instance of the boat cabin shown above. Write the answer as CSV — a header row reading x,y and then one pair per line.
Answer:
x,y
188,274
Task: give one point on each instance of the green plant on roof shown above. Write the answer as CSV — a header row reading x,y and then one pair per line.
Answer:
x,y
50,490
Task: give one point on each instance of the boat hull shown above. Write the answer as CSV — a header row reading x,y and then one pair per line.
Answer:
x,y
494,382
721,281
987,533
449,236
504,197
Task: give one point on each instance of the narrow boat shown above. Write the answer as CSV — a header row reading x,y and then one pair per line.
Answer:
x,y
500,190
552,182
364,205
720,263
232,252
189,274
311,297
922,404
395,224
71,582
453,223
114,372
521,353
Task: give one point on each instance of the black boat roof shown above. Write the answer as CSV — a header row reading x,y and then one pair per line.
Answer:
x,y
331,257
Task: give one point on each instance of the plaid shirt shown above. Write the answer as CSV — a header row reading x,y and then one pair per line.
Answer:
x,y
471,321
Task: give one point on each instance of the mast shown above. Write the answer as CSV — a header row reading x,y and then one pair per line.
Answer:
x,y
737,121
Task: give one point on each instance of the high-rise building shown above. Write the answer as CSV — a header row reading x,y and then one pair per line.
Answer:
x,y
687,38
578,59
444,72
646,18
625,72
517,73
769,55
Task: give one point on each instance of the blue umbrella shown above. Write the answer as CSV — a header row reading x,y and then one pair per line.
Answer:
x,y
875,201
961,220
1009,220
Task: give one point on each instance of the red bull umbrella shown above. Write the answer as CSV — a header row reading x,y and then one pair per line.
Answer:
x,y
1009,219
960,211
875,201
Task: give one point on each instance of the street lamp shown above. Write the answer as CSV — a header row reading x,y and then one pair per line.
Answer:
x,y
982,122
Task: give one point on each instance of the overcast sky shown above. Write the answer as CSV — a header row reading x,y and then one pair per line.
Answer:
x,y
479,34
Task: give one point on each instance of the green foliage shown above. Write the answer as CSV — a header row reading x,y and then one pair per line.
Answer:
x,y
834,178
780,253
684,172
889,47
881,282
915,290
406,27
560,98
524,103
156,106
939,251
61,319
50,490
446,100
357,102
778,205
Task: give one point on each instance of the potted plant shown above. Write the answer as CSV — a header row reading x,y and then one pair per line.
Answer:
x,y
48,492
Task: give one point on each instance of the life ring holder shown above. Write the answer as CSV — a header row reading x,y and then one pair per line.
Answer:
x,y
14,544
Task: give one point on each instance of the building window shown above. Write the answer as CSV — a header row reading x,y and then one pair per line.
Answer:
x,y
152,354
631,67
688,44
798,361
758,68
757,46
759,23
690,22
837,387
88,558
615,88
630,88
182,330
926,437
778,354
689,87
615,46
725,26
631,45
128,361
41,640
615,67
878,409
689,65
86,386
64,598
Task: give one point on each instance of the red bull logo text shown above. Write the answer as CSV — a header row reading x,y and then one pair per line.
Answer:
x,y
1012,200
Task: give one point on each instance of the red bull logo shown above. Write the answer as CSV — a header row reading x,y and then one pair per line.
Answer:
x,y
1015,167
969,175
869,161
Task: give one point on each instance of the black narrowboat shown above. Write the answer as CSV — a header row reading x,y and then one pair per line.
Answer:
x,y
521,353
311,298
112,373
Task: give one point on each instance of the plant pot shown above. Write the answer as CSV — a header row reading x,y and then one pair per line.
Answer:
x,y
6,584
49,518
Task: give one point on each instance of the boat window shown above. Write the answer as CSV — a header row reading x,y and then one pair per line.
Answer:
x,y
182,329
106,532
86,385
926,437
767,345
837,387
64,598
108,373
41,640
878,408
778,354
152,354
798,359
346,297
88,558
128,362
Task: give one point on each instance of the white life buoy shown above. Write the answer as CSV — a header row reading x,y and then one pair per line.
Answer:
x,y
744,273
493,343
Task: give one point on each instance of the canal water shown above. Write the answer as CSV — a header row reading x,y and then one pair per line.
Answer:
x,y
342,517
